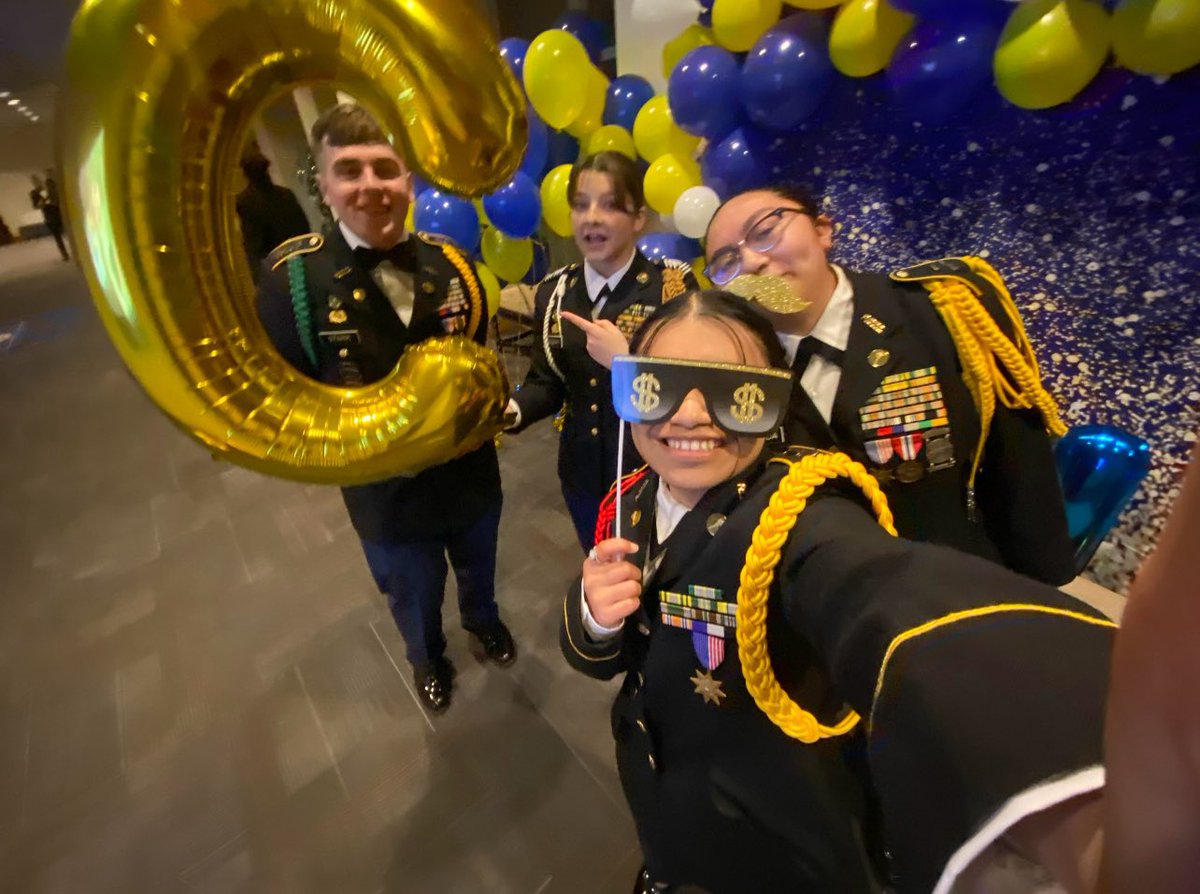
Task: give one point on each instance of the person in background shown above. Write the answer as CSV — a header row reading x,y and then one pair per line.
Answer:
x,y
924,376
270,214
980,692
44,197
341,308
583,315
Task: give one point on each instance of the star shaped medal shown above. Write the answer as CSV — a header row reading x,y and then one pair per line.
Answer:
x,y
707,688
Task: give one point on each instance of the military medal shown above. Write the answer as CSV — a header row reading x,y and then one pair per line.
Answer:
x,y
701,611
713,523
909,471
874,324
940,453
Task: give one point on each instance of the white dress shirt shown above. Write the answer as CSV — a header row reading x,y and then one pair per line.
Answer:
x,y
395,283
821,377
596,281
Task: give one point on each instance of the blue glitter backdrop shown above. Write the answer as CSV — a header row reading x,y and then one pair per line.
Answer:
x,y
1088,210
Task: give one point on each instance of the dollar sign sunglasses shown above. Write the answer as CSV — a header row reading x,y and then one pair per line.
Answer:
x,y
742,400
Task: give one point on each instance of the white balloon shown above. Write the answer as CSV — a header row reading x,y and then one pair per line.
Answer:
x,y
656,12
694,208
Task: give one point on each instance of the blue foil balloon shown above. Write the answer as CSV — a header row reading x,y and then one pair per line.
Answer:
x,y
1100,467
660,246
515,208
537,149
512,51
787,72
626,96
703,92
940,67
450,216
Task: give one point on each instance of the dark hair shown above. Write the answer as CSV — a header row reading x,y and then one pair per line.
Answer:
x,y
789,190
626,178
254,166
346,124
721,306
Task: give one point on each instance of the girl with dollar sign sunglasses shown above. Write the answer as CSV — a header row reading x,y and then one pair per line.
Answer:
x,y
764,619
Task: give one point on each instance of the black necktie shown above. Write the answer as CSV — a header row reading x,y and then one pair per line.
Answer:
x,y
400,255
601,297
808,347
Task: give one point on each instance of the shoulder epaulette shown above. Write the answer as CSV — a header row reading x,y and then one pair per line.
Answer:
x,y
435,239
791,454
297,245
952,266
561,271
673,264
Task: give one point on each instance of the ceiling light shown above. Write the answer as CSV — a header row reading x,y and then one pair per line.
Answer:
x,y
14,102
4,94
35,117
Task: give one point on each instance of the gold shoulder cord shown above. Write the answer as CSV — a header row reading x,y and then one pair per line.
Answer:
x,y
455,257
758,572
983,349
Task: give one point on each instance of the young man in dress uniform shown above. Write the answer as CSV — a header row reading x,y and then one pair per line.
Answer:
x,y
880,378
342,308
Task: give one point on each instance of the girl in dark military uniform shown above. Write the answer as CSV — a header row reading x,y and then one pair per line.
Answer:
x,y
585,313
980,692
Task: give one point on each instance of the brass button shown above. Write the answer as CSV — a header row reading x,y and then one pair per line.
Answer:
x,y
595,408
653,764
879,357
595,431
343,352
359,294
641,725
592,382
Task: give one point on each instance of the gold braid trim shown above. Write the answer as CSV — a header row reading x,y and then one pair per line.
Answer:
x,y
758,572
455,257
984,351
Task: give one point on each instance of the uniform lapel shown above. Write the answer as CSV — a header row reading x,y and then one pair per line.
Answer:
x,y
871,352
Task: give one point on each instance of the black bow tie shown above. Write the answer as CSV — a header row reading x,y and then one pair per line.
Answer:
x,y
809,346
400,254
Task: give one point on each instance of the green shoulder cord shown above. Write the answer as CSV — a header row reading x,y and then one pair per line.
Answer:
x,y
298,286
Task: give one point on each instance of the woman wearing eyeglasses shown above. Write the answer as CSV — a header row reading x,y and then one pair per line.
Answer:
x,y
583,314
959,671
924,375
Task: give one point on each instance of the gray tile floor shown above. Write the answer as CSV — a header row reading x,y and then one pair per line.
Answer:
x,y
201,691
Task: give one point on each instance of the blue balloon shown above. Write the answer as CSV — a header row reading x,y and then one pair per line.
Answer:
x,y
533,162
940,67
745,159
595,36
563,149
626,96
450,216
660,246
788,72
703,92
705,17
515,208
512,51
943,10
1100,467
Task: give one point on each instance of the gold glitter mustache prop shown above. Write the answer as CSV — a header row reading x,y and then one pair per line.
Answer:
x,y
160,98
773,293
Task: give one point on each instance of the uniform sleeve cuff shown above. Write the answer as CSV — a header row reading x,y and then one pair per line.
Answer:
x,y
596,631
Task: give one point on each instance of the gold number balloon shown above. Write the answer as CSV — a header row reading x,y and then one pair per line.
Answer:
x,y
161,95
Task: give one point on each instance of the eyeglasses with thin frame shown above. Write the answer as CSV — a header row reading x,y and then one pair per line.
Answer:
x,y
763,236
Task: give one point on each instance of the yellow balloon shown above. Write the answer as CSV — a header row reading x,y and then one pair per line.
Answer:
x,y
1050,50
591,116
1157,37
612,138
556,210
655,132
667,178
557,70
480,210
737,24
681,44
491,288
698,271
813,4
158,101
410,222
509,258
864,36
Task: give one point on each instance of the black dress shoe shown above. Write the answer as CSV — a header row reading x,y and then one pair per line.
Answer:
x,y
497,644
434,685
